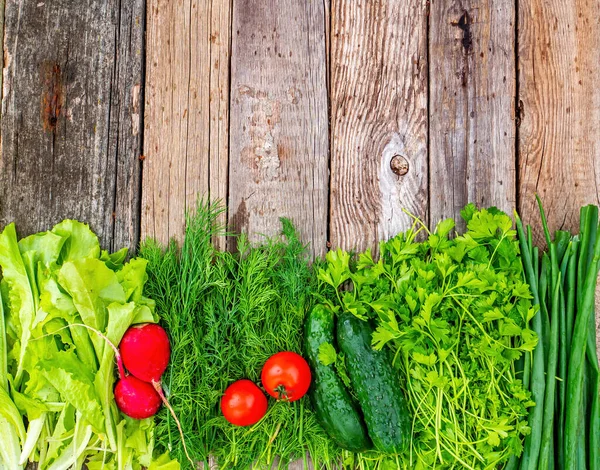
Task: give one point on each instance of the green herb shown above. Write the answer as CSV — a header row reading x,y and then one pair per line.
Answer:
x,y
455,315
327,354
226,314
564,436
575,390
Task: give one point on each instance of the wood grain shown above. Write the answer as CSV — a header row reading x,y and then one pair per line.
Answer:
x,y
186,111
472,95
559,136
379,111
70,116
220,55
279,125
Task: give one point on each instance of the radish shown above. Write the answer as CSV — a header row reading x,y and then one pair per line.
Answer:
x,y
146,351
136,398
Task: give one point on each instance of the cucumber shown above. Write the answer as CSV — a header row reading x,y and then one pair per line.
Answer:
x,y
335,410
376,384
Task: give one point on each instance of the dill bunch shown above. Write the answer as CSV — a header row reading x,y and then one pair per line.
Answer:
x,y
226,314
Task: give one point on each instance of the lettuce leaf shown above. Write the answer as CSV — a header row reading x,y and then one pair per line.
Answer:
x,y
132,278
3,349
10,448
92,286
20,294
75,384
80,241
55,373
120,318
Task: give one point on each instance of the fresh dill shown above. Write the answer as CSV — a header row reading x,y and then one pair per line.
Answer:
x,y
226,314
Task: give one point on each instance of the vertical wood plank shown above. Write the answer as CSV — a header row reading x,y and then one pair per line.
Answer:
x,y
70,116
279,127
379,119
559,136
472,95
220,55
186,111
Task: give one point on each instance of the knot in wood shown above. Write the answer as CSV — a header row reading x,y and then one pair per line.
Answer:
x,y
399,165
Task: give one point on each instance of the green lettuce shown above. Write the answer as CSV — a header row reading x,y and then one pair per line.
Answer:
x,y
20,294
56,374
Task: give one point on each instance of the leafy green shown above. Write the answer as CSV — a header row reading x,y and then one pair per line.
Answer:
x,y
227,313
327,354
20,296
455,314
75,384
91,285
80,241
56,375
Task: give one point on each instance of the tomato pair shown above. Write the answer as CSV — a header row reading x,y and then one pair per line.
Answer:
x,y
285,376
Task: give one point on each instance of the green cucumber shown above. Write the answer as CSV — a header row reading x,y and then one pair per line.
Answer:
x,y
376,385
335,410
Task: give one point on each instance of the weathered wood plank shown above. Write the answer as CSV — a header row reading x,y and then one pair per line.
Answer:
x,y
279,127
186,110
559,135
219,105
70,116
472,83
379,119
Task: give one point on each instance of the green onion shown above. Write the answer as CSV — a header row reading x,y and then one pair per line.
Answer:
x,y
594,425
562,240
533,440
579,341
571,290
548,424
545,276
549,400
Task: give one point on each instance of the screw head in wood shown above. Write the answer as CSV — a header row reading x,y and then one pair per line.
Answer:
x,y
399,165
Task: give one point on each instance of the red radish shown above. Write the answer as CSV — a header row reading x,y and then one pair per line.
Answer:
x,y
132,393
146,351
136,398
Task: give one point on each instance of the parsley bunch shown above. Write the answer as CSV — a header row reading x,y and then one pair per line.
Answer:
x,y
455,314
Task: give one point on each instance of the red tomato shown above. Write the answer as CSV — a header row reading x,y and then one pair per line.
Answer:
x,y
286,376
243,403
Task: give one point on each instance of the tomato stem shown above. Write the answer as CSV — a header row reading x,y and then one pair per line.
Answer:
x,y
282,393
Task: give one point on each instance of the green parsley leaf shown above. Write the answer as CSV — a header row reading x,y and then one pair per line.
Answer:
x,y
327,354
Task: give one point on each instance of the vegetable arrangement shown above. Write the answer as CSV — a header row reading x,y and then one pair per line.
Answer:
x,y
454,314
228,316
563,374
57,374
467,351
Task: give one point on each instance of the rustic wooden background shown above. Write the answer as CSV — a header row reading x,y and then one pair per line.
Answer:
x,y
336,113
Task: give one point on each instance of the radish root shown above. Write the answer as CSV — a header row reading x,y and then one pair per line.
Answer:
x,y
160,392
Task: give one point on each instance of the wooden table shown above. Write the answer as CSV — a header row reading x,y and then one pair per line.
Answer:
x,y
338,114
